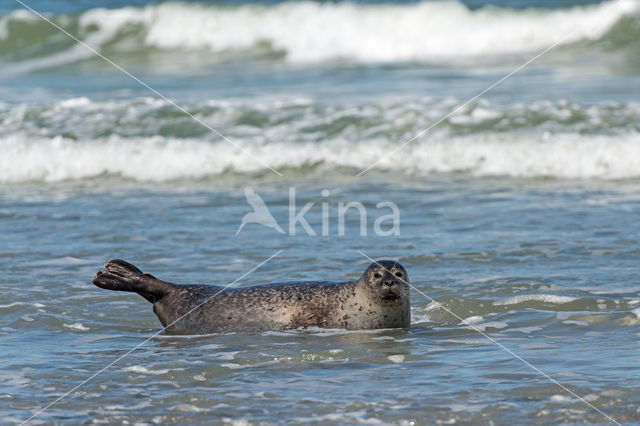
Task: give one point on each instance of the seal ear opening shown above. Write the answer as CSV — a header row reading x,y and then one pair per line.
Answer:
x,y
123,276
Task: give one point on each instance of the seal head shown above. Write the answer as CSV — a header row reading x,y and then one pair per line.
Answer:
x,y
386,280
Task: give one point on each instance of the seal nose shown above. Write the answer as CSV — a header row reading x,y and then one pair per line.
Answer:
x,y
390,283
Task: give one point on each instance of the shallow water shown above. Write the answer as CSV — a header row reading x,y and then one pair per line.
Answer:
x,y
547,269
518,214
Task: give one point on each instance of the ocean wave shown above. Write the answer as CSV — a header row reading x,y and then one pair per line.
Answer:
x,y
303,119
145,139
309,32
165,159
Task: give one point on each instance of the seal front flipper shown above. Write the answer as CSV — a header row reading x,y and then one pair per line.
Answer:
x,y
123,276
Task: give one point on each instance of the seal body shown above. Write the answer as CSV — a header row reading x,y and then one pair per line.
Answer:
x,y
379,299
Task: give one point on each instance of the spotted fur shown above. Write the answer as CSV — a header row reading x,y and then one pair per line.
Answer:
x,y
379,299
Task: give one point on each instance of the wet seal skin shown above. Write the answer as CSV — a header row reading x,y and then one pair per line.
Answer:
x,y
378,299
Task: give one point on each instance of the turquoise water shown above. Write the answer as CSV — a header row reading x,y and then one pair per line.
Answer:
x,y
518,213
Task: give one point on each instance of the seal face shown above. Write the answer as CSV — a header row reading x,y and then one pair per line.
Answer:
x,y
387,280
378,299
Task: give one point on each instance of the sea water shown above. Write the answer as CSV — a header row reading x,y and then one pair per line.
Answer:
x,y
518,210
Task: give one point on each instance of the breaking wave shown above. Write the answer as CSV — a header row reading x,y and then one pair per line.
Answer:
x,y
309,32
145,140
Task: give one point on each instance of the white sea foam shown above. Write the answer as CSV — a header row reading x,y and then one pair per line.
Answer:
x,y
189,408
11,305
76,326
144,370
308,32
420,319
563,399
575,322
234,366
510,142
311,32
396,359
476,322
156,159
359,417
473,320
545,298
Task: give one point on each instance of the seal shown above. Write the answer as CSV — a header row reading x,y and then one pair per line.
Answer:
x,y
379,299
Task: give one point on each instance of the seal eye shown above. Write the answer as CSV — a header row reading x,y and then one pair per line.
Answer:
x,y
399,274
377,275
